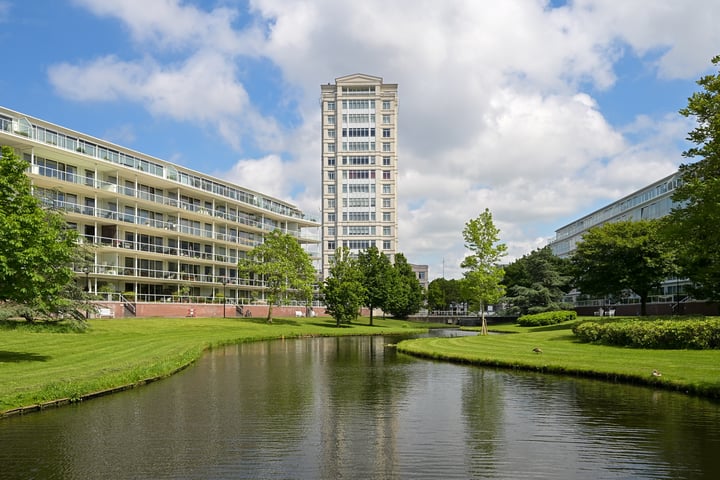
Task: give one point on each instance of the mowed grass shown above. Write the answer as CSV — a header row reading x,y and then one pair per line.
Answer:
x,y
691,371
39,366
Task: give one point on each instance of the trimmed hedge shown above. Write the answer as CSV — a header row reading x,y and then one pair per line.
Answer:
x,y
546,318
692,334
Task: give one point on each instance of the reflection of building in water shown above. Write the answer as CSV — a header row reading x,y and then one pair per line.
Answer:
x,y
158,229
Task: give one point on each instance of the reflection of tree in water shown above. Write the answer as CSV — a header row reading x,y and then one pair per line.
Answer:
x,y
482,407
681,430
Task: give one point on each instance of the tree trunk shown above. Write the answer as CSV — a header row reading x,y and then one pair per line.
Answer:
x,y
371,316
269,315
483,323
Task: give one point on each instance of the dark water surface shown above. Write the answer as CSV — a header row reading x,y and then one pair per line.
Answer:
x,y
352,408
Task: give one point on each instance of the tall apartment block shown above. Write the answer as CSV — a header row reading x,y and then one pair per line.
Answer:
x,y
154,228
359,166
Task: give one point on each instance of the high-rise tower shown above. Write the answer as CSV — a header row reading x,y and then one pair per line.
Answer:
x,y
359,166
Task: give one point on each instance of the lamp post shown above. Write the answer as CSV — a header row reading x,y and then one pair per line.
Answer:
x,y
86,271
224,282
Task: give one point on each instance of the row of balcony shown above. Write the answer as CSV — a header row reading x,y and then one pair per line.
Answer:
x,y
22,127
152,197
148,273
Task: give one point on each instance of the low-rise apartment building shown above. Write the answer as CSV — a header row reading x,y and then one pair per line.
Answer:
x,y
156,230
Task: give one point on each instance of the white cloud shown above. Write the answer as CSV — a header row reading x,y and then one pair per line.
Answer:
x,y
496,98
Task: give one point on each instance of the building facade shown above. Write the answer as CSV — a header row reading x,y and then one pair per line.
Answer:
x,y
650,202
155,231
359,166
421,273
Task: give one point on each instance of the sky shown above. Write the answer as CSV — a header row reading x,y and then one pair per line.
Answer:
x,y
541,111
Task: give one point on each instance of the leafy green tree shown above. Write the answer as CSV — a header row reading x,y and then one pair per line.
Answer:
x,y
691,226
536,282
442,293
406,293
628,255
483,272
343,291
375,268
37,248
283,265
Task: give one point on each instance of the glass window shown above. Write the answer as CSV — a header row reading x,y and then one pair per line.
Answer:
x,y
387,217
386,105
331,105
387,188
386,133
387,245
386,147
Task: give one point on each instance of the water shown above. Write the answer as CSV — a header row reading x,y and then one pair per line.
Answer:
x,y
347,408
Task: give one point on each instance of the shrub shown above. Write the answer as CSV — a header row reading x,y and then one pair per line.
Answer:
x,y
696,334
547,318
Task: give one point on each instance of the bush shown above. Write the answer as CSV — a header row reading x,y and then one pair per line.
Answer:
x,y
695,334
546,318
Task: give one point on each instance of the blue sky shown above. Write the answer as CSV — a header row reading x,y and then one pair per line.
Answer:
x,y
540,111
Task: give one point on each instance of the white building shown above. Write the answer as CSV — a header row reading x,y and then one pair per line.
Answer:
x,y
653,201
650,202
359,166
156,228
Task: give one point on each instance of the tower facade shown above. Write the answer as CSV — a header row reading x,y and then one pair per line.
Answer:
x,y
359,166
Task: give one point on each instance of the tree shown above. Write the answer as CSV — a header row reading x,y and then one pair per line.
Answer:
x,y
283,265
406,293
536,282
37,248
691,226
375,268
483,275
442,294
628,255
343,291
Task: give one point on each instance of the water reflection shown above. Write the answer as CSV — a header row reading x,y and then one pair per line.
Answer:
x,y
354,408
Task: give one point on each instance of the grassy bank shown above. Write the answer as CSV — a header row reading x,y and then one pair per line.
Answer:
x,y
692,371
39,366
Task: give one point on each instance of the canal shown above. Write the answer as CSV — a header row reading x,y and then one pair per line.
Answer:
x,y
347,408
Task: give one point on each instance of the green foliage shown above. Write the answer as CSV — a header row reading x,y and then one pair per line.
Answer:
x,y
283,265
547,318
377,278
443,293
627,255
406,293
536,282
698,194
343,291
695,334
483,273
36,247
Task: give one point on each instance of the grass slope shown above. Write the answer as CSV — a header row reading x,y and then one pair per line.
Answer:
x,y
39,366
691,371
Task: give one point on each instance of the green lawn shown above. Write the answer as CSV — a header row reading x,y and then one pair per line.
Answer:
x,y
693,371
39,366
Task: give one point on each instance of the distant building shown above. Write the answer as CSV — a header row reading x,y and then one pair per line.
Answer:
x,y
359,166
156,228
650,202
653,201
421,273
